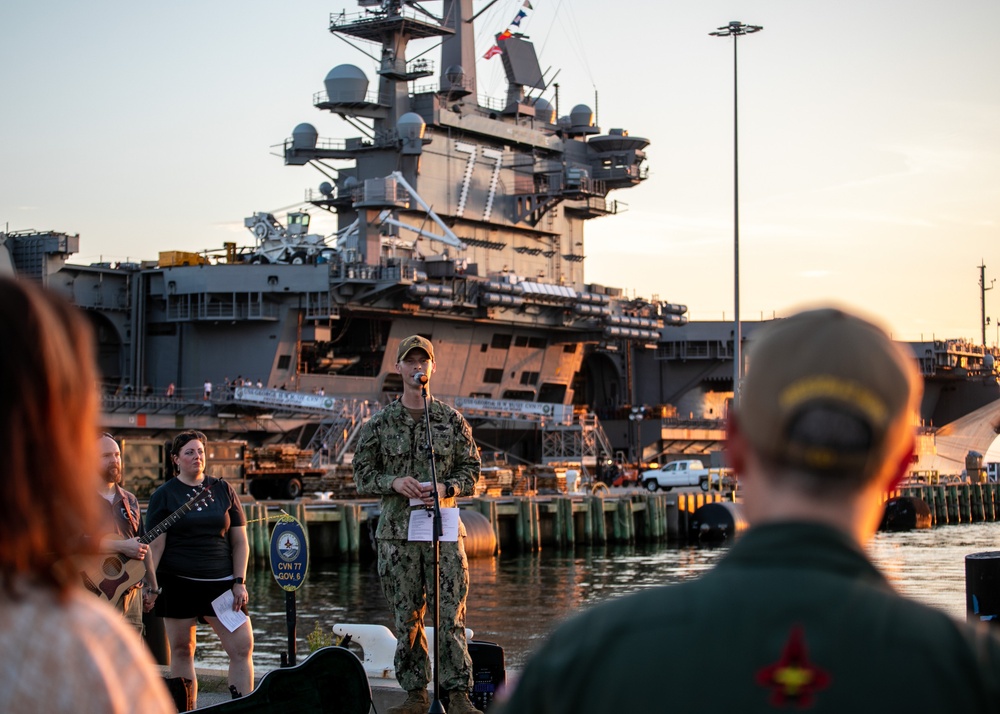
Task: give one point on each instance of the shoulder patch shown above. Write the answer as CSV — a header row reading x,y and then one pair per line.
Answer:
x,y
793,679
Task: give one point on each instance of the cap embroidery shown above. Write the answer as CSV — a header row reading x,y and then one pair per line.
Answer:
x,y
793,679
830,387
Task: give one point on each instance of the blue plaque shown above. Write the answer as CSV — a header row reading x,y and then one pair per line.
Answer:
x,y
289,554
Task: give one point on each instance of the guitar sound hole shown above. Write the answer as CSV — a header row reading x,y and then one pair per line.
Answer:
x,y
112,568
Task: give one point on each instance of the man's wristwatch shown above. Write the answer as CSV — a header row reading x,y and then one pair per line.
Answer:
x,y
238,581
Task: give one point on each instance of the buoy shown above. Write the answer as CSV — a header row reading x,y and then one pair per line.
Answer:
x,y
716,522
904,513
480,539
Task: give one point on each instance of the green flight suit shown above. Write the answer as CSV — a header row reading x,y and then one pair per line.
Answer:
x,y
793,618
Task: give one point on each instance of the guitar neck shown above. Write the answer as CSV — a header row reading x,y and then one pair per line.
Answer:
x,y
161,527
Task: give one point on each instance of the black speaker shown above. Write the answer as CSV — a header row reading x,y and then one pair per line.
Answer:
x,y
488,672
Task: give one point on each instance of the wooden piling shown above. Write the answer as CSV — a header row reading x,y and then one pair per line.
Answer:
x,y
964,514
520,525
953,512
940,506
976,503
558,527
488,507
530,539
588,521
624,524
661,517
569,521
597,515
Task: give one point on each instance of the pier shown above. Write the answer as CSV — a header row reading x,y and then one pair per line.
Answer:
x,y
342,530
957,502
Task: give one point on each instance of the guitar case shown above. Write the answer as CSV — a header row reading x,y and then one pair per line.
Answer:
x,y
331,680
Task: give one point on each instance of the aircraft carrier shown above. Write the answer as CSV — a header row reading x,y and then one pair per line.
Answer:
x,y
459,217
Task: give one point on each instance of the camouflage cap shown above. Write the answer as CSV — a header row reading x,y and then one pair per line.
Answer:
x,y
414,342
828,391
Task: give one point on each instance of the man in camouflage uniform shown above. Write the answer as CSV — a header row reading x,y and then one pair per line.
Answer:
x,y
392,461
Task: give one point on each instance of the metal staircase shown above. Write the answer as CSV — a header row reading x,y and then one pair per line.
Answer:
x,y
583,441
335,435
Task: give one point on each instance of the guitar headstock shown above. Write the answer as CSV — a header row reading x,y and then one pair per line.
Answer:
x,y
201,498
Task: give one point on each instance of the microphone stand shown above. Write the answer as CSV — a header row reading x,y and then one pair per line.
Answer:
x,y
434,511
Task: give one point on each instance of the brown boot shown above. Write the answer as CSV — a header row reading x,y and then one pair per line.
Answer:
x,y
417,702
458,703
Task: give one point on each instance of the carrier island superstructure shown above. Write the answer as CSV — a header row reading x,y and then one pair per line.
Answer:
x,y
460,218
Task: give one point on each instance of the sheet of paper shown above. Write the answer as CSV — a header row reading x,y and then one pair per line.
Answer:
x,y
418,501
422,524
223,606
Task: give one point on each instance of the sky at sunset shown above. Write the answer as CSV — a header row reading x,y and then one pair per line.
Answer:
x,y
869,138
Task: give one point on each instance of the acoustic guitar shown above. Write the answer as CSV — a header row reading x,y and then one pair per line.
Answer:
x,y
115,574
331,680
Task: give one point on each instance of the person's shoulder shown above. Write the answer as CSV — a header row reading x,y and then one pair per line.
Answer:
x,y
445,410
388,415
106,639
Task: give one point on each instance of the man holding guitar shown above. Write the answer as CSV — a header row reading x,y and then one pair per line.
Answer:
x,y
128,595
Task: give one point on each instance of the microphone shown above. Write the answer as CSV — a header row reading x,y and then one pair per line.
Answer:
x,y
420,378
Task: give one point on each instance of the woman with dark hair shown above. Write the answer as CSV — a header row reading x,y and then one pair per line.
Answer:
x,y
61,648
202,556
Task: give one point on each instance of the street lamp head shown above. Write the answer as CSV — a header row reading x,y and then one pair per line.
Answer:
x,y
736,28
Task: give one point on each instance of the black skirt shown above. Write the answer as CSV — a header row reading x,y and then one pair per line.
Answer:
x,y
183,598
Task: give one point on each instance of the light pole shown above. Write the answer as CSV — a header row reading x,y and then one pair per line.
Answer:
x,y
735,29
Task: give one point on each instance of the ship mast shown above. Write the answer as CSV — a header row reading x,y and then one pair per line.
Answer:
x,y
982,300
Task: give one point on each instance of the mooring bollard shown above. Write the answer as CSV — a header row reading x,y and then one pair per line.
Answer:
x,y
982,587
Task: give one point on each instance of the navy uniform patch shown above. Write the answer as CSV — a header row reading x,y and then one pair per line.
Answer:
x,y
793,679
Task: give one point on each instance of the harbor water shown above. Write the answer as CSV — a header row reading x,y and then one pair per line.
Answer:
x,y
516,600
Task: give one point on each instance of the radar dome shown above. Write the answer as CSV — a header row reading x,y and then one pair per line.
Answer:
x,y
326,188
581,116
350,183
455,74
304,136
545,111
411,126
346,83
988,362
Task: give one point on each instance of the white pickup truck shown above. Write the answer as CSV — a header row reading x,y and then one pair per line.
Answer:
x,y
690,472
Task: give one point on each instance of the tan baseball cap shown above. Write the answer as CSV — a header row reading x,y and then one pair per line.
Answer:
x,y
826,390
414,342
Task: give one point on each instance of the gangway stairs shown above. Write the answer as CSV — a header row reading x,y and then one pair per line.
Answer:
x,y
335,435
583,441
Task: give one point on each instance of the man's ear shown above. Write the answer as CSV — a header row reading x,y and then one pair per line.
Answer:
x,y
736,445
902,467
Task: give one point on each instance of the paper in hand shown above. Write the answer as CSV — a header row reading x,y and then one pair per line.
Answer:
x,y
223,606
422,525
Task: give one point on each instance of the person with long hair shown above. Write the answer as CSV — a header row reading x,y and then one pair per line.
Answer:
x,y
202,556
63,650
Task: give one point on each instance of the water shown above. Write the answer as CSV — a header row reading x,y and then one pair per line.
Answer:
x,y
516,600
